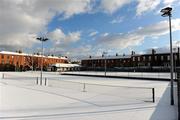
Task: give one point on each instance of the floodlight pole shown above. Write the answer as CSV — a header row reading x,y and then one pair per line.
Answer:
x,y
32,62
42,54
42,39
105,66
167,12
172,65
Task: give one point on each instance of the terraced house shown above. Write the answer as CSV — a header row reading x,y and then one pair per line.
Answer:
x,y
151,62
25,61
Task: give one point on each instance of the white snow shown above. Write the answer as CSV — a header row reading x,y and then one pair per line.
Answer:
x,y
63,98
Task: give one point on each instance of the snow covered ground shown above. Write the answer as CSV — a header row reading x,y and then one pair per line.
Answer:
x,y
82,98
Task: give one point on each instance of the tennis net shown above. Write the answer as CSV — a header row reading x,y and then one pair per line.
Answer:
x,y
145,94
19,78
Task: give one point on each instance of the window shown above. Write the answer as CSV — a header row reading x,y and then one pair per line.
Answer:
x,y
162,58
168,57
149,58
155,57
138,58
144,58
8,57
7,62
133,58
2,56
175,57
2,61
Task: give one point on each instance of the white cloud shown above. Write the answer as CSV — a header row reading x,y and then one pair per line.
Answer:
x,y
164,49
176,43
117,20
146,5
22,20
120,40
169,2
137,37
61,38
105,34
111,6
73,52
93,33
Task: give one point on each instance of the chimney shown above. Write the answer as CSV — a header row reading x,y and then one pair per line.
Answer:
x,y
153,51
20,51
90,56
132,53
116,54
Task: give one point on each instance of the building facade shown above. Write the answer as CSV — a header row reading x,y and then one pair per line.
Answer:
x,y
62,67
149,61
29,61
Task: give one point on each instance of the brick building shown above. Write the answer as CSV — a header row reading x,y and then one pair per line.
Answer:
x,y
132,61
23,60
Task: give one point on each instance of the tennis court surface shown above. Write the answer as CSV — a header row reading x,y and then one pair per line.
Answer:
x,y
24,96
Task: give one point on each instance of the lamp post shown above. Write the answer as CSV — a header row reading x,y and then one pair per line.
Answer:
x,y
42,39
32,57
105,64
174,58
167,12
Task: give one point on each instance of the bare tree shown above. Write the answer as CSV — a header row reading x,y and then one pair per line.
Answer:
x,y
32,62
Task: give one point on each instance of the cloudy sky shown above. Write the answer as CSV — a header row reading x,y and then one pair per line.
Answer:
x,y
79,28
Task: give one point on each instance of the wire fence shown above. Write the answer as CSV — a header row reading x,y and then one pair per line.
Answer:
x,y
157,75
26,80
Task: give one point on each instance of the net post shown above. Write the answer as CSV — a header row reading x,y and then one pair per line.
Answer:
x,y
84,87
153,95
40,81
45,82
37,80
3,76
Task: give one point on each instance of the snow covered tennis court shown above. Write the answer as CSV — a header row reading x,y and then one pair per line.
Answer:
x,y
21,98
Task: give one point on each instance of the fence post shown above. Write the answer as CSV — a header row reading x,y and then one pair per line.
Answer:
x,y
40,81
153,95
3,76
45,81
84,87
178,92
37,80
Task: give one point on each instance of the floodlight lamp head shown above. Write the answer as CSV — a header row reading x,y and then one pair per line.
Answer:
x,y
166,10
39,38
45,39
